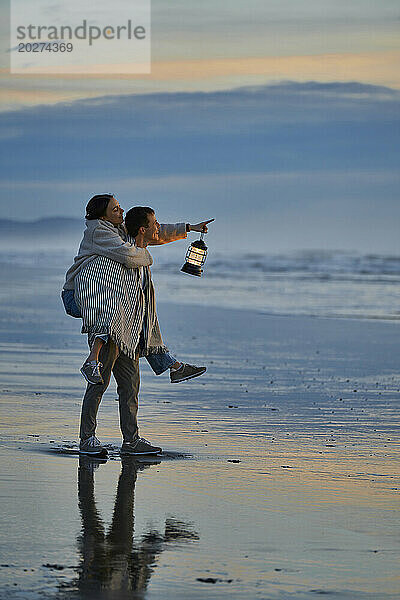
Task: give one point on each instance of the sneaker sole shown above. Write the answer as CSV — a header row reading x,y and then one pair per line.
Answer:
x,y
140,453
189,377
103,452
88,380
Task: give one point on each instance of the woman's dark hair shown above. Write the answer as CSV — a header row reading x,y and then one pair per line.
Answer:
x,y
137,217
97,206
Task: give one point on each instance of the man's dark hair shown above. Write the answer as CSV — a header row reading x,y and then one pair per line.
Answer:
x,y
137,217
97,206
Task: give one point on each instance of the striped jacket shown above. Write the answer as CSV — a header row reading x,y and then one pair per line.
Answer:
x,y
117,301
102,238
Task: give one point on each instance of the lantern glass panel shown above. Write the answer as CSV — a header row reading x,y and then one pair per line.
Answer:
x,y
195,256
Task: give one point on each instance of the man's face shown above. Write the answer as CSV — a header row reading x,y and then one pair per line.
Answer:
x,y
152,230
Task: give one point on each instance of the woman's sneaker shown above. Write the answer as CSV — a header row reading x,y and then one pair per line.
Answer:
x,y
139,446
92,447
186,372
91,372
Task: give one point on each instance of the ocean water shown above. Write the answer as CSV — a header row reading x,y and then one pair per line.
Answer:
x,y
312,283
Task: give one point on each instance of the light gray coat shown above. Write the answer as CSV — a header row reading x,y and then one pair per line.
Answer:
x,y
101,238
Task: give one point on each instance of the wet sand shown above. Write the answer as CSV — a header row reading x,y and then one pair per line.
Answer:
x,y
279,478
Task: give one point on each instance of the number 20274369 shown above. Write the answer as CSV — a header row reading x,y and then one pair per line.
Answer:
x,y
45,47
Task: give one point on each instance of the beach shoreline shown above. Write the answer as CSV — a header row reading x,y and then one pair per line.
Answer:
x,y
288,441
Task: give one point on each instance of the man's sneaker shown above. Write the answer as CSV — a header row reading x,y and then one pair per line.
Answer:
x,y
92,446
186,372
139,446
91,372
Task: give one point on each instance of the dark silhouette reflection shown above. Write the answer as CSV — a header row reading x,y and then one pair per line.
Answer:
x,y
112,565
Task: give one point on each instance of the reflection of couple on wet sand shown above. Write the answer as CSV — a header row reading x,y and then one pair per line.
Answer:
x,y
110,287
112,564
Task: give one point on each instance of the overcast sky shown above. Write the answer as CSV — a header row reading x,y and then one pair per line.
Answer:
x,y
279,119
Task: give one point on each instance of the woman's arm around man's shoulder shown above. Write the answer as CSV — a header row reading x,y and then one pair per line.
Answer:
x,y
108,241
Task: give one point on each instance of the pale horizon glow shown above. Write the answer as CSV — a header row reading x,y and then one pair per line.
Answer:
x,y
207,47
378,68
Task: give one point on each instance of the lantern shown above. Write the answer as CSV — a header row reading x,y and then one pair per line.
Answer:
x,y
195,257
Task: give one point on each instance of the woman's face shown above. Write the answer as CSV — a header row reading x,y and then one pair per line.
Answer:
x,y
114,213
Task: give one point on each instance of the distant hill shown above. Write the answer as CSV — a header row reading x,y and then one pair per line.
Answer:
x,y
52,226
55,233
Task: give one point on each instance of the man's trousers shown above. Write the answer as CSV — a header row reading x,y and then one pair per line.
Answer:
x,y
126,373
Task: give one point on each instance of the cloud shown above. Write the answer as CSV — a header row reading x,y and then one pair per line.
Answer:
x,y
289,126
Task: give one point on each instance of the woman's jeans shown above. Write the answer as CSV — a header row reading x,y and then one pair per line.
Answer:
x,y
158,362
